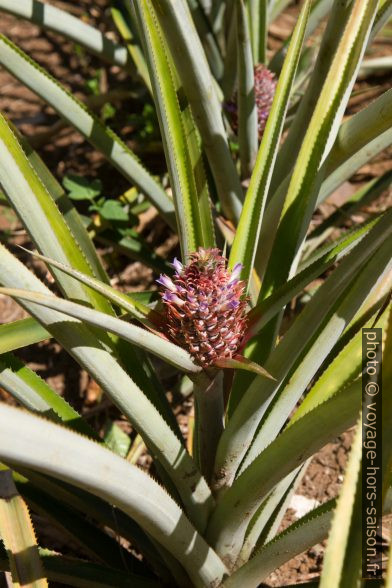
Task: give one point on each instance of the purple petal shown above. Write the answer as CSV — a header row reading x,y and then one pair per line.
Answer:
x,y
166,282
235,274
234,304
170,297
230,305
177,265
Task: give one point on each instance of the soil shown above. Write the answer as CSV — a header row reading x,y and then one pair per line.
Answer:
x,y
65,151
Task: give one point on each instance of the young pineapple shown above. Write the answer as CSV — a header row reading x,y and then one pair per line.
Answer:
x,y
265,86
205,307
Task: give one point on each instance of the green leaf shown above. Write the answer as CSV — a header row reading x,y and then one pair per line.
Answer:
x,y
41,216
303,349
246,238
362,197
258,19
302,194
80,188
308,435
360,138
76,114
308,271
66,208
173,134
343,369
230,67
386,417
82,574
33,393
54,19
122,18
307,531
275,8
20,334
338,573
243,363
116,439
192,66
319,10
85,464
348,302
376,66
338,15
129,243
113,211
208,421
95,541
17,533
156,344
146,297
383,15
265,522
129,302
198,164
208,38
95,509
247,110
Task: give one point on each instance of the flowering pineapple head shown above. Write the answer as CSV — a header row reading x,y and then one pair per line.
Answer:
x,y
205,306
265,86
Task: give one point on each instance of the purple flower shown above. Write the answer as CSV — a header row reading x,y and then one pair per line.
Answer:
x,y
170,297
166,282
178,267
235,274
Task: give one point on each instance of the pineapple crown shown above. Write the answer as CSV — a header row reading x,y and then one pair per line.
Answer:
x,y
205,306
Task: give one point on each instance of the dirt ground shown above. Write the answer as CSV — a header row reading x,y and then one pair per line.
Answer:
x,y
65,151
